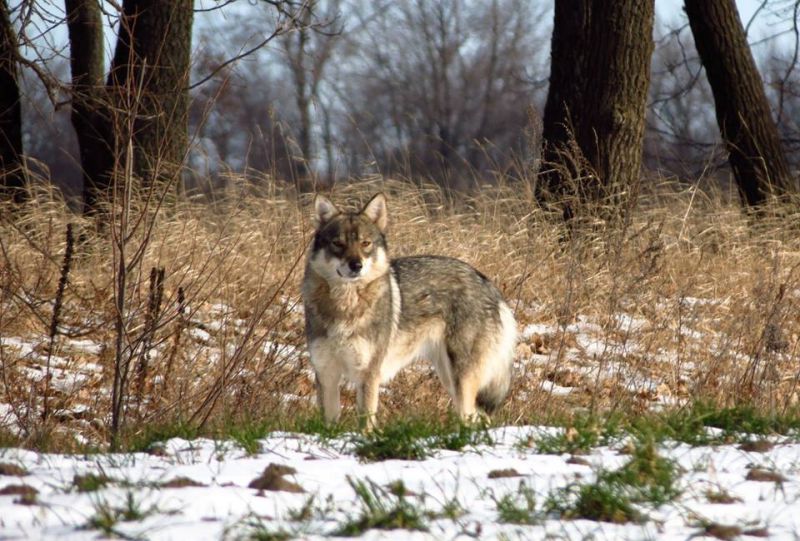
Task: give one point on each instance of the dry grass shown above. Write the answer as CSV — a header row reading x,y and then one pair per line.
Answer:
x,y
682,298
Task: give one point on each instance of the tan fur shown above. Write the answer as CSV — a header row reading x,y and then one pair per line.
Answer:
x,y
367,317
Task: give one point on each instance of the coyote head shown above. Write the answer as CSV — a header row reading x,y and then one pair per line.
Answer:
x,y
350,246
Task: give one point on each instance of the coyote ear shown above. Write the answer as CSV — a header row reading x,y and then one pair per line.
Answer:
x,y
376,211
324,210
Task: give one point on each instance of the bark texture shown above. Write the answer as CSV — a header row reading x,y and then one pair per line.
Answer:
x,y
143,103
12,174
90,114
743,114
593,122
149,79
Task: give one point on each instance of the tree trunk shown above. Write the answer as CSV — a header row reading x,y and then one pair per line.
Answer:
x,y
89,103
145,99
593,122
12,173
149,79
296,46
745,122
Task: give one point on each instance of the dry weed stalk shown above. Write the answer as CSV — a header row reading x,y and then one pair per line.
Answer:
x,y
687,298
56,317
155,296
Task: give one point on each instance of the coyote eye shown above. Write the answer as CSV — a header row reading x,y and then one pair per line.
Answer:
x,y
366,243
339,245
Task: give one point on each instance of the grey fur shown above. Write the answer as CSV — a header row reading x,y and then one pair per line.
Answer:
x,y
366,324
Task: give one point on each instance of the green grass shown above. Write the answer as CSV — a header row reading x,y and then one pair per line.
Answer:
x,y
599,501
452,509
581,434
383,509
418,438
519,507
652,478
247,432
244,430
142,440
747,419
256,528
646,479
90,482
315,425
412,439
107,516
736,424
247,435
262,533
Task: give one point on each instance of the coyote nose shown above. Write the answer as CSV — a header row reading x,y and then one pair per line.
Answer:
x,y
355,265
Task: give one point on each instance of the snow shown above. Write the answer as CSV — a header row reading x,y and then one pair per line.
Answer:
x,y
224,504
564,359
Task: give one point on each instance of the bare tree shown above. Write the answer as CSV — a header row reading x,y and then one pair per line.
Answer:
x,y
90,115
51,146
306,52
12,175
783,92
599,76
743,114
437,88
145,99
151,66
244,129
680,133
258,114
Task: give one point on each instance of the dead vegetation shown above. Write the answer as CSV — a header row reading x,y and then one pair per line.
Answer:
x,y
681,297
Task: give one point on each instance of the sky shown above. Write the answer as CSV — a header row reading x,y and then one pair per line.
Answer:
x,y
668,13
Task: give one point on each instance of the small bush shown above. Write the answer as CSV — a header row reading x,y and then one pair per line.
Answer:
x,y
519,507
107,515
255,528
581,435
651,477
383,509
647,478
416,439
90,482
601,501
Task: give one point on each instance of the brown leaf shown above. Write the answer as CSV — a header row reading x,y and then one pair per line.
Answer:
x,y
723,531
758,446
508,472
12,469
18,490
760,474
272,479
181,482
721,497
578,460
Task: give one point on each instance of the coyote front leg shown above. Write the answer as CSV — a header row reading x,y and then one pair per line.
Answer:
x,y
327,383
367,401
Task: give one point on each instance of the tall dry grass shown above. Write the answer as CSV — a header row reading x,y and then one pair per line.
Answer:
x,y
682,297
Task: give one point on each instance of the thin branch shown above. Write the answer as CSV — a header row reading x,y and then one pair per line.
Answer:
x,y
278,31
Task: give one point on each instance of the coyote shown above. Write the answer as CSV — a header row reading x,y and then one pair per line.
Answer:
x,y
368,316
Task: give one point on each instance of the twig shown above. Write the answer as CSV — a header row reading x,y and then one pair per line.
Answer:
x,y
155,296
54,321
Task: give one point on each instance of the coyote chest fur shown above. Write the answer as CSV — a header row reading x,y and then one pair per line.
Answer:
x,y
368,316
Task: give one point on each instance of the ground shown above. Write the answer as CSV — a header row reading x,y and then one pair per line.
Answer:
x,y
684,303
199,490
